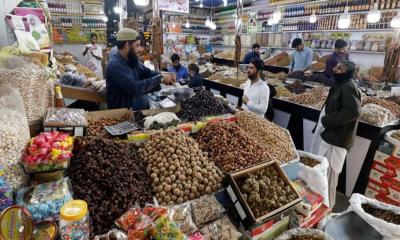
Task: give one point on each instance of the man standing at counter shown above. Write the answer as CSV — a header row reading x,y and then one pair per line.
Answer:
x,y
301,58
336,57
255,53
128,80
256,91
338,127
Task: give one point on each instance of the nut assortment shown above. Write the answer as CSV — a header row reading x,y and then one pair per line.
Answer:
x,y
230,147
276,140
202,104
206,209
309,161
376,115
396,135
96,127
296,87
283,92
110,177
265,191
385,215
311,97
393,107
394,98
178,169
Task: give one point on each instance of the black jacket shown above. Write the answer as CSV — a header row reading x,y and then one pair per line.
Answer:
x,y
343,107
196,81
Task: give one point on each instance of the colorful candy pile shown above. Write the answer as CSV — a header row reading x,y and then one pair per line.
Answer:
x,y
48,151
6,193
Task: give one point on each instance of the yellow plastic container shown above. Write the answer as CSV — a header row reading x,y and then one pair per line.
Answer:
x,y
74,220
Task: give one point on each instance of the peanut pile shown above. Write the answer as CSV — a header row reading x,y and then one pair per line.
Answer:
x,y
392,106
276,140
230,147
311,97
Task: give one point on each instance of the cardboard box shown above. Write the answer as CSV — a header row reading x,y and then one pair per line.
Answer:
x,y
376,175
115,114
371,193
388,200
383,169
375,185
381,157
271,232
317,216
242,209
386,147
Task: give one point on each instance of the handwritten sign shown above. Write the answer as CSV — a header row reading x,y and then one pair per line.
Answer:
x,y
181,6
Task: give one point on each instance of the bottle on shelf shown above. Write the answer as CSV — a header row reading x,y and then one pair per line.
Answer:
x,y
58,98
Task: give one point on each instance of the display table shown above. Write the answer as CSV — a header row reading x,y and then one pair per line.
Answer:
x,y
301,120
227,62
85,94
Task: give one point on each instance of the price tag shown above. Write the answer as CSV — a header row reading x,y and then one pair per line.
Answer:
x,y
232,195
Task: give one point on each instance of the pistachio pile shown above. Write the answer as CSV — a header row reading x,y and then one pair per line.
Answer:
x,y
276,140
178,169
230,147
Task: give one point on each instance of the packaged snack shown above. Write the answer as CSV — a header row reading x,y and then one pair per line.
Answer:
x,y
181,215
221,229
113,234
166,229
206,209
74,220
6,193
16,217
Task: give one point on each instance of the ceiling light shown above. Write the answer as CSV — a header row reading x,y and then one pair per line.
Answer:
x,y
344,19
225,3
187,24
207,22
270,21
313,17
374,15
105,19
141,3
276,16
117,10
201,4
395,23
173,25
212,25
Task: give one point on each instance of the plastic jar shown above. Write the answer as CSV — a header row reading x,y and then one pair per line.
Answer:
x,y
74,221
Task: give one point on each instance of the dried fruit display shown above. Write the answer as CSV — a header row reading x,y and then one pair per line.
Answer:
x,y
307,237
281,59
393,107
178,169
314,96
265,191
296,87
309,161
317,77
394,98
396,135
297,75
110,177
318,66
283,92
376,115
374,74
230,147
385,215
391,71
202,104
275,139
96,127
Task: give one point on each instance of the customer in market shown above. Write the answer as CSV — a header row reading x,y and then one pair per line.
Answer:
x,y
128,80
181,72
93,53
336,128
256,91
340,54
255,53
195,80
301,58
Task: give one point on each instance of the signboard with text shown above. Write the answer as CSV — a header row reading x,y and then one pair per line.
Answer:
x,y
181,6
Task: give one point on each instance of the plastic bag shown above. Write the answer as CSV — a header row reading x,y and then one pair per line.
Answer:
x,y
181,215
393,140
206,209
377,115
45,200
303,232
388,230
14,129
166,230
66,116
316,177
134,219
6,193
161,119
221,229
113,234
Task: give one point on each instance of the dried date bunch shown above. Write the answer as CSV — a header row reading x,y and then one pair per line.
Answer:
x,y
96,127
178,169
296,87
230,147
276,140
265,191
392,106
111,177
385,215
309,161
202,104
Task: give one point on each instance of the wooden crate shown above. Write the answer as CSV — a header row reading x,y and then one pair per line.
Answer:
x,y
247,217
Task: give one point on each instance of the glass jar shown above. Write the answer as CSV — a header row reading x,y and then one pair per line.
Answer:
x,y
74,220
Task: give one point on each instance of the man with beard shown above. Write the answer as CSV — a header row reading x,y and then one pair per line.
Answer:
x,y
256,91
336,57
128,80
181,72
336,128
255,53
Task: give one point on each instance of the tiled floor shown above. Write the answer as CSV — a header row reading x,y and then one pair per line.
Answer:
x,y
342,203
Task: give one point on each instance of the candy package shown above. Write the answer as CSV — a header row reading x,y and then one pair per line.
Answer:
x,y
181,215
45,200
65,117
113,234
6,192
166,229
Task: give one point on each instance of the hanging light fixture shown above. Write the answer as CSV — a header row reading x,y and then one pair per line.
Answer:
x,y
276,16
225,3
344,19
141,3
212,25
395,23
313,17
207,22
374,15
201,4
105,19
270,21
173,25
117,10
187,24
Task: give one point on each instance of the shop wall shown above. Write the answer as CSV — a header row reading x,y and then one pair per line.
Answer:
x,y
6,36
